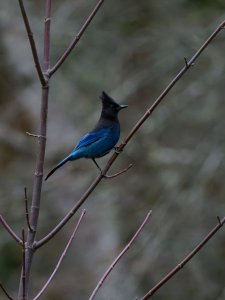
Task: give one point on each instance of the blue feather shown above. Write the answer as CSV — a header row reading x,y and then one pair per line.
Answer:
x,y
91,137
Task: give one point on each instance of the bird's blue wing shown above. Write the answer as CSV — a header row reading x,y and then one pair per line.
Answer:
x,y
92,137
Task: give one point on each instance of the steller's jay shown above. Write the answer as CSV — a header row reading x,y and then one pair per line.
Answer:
x,y
101,139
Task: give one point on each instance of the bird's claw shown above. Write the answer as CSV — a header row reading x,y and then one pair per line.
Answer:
x,y
117,149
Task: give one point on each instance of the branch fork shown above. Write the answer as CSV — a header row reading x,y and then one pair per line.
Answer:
x,y
187,63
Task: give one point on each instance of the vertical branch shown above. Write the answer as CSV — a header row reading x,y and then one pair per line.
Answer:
x,y
47,34
38,176
32,43
23,266
26,209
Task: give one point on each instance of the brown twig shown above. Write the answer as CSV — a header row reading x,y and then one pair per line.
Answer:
x,y
75,40
5,291
186,62
125,249
61,257
184,261
36,135
10,230
23,266
106,176
127,139
32,44
219,220
26,209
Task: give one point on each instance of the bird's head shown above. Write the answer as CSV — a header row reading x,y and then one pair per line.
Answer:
x,y
108,104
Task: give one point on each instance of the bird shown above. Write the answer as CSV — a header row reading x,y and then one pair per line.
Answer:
x,y
102,139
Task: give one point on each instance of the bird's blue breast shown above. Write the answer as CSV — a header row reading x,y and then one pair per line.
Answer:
x,y
97,143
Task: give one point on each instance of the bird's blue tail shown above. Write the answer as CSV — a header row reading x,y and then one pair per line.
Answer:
x,y
60,164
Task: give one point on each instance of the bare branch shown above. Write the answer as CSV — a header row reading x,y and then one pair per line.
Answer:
x,y
5,292
10,230
118,173
128,138
61,257
184,261
26,209
76,39
32,44
125,249
23,266
38,178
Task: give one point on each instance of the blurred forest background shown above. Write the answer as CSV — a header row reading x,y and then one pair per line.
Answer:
x,y
131,50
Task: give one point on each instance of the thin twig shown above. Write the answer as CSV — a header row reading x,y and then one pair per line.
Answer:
x,y
36,135
184,261
32,43
23,266
5,292
125,249
75,40
186,62
136,127
219,220
10,230
61,257
106,176
26,209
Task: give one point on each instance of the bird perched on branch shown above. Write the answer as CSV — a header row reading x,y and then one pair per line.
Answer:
x,y
101,139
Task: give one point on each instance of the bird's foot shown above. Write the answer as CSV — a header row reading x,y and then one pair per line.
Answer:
x,y
117,149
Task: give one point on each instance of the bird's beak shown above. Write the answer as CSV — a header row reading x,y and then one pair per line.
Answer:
x,y
123,106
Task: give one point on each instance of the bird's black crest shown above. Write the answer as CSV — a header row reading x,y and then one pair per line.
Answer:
x,y
106,99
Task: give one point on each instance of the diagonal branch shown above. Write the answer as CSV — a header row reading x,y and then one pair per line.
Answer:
x,y
10,230
5,291
32,43
185,260
61,257
136,127
75,40
125,249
